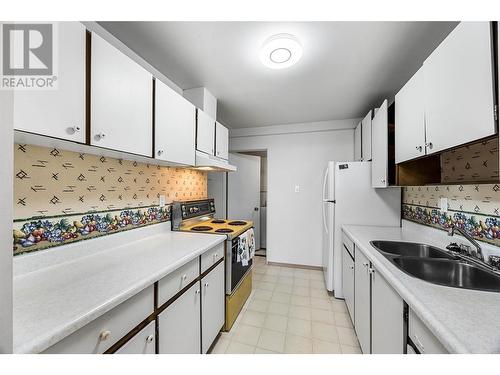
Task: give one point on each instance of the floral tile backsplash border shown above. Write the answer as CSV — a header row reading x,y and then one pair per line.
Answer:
x,y
46,232
475,208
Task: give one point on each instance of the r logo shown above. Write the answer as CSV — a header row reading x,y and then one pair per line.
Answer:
x,y
27,49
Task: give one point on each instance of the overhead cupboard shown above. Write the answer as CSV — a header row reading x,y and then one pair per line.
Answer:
x,y
450,101
108,100
363,139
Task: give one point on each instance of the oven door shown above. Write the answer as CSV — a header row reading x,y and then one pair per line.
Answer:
x,y
235,271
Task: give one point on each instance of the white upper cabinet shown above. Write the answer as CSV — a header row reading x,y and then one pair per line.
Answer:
x,y
58,113
205,133
121,101
221,141
380,147
366,137
175,121
357,143
459,89
409,131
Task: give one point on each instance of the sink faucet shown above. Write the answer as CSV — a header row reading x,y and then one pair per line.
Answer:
x,y
479,252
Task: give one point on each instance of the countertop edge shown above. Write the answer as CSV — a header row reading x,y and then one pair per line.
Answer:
x,y
442,333
63,331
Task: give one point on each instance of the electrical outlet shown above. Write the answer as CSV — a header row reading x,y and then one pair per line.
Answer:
x,y
162,201
443,204
297,188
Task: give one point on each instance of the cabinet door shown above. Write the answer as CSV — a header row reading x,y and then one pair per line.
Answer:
x,y
221,141
179,324
362,300
58,113
121,101
409,131
357,143
142,343
380,147
387,317
175,122
459,88
348,281
366,137
212,305
205,133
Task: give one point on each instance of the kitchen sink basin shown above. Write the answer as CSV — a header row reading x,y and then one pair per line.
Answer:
x,y
410,249
437,266
448,272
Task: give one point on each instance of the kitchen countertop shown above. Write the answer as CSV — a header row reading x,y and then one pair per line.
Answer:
x,y
54,301
465,321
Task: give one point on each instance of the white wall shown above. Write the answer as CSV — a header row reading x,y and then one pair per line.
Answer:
x,y
6,166
296,156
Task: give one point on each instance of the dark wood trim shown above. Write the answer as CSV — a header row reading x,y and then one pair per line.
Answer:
x,y
88,72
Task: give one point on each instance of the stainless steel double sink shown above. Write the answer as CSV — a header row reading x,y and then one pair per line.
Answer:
x,y
438,266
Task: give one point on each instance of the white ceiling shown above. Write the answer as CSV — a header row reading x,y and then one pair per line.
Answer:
x,y
346,68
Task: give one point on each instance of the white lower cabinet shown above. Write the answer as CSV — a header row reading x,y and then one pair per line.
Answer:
x,y
142,343
179,327
212,305
348,281
362,320
100,334
387,317
422,337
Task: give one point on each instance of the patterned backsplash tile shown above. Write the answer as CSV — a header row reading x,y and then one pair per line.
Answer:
x,y
476,208
62,196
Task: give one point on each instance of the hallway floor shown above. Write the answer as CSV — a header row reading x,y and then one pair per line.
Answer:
x,y
289,311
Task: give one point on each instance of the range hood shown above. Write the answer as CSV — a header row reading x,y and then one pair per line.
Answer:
x,y
212,163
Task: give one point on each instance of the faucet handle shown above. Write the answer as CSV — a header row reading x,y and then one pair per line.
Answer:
x,y
494,261
453,247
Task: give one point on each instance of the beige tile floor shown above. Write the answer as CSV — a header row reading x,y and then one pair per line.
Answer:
x,y
289,311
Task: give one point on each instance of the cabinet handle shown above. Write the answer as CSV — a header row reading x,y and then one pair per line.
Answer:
x,y
150,339
197,291
365,264
206,285
352,268
184,277
430,145
160,152
100,136
382,180
419,148
74,129
104,335
371,271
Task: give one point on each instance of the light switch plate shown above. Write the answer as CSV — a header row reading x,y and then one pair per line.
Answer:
x,y
443,204
297,188
162,201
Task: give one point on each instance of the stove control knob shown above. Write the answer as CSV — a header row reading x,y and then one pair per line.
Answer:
x,y
191,210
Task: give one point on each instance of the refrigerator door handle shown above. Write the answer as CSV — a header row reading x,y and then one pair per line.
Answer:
x,y
324,219
324,184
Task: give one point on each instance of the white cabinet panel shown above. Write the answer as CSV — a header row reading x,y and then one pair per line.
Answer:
x,y
366,137
380,147
212,256
177,280
459,89
221,141
142,343
387,318
58,113
422,337
175,122
121,101
362,319
212,305
357,143
179,325
100,334
205,133
410,120
348,281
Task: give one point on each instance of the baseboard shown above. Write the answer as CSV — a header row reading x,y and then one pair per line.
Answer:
x,y
315,268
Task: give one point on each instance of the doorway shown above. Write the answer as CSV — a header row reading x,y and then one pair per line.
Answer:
x,y
247,193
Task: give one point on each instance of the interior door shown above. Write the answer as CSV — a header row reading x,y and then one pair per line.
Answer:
x,y
243,189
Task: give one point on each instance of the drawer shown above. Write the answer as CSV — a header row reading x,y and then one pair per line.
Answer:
x,y
175,281
114,324
212,256
348,244
422,337
142,343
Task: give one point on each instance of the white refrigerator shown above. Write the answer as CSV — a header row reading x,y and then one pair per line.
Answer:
x,y
348,198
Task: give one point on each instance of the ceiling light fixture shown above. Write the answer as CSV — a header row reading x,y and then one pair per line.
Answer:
x,y
281,51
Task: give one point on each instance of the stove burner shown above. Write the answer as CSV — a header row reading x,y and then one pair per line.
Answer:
x,y
237,222
224,230
217,221
201,228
